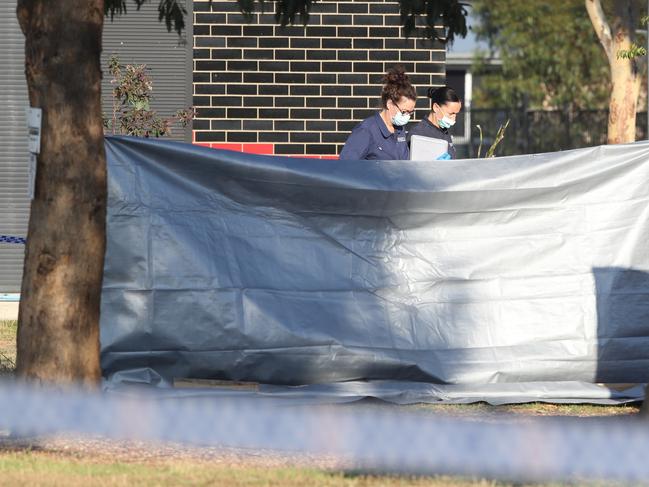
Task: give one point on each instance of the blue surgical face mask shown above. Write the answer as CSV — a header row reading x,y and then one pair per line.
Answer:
x,y
400,119
446,122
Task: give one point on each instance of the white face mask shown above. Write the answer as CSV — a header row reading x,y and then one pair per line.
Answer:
x,y
445,122
400,119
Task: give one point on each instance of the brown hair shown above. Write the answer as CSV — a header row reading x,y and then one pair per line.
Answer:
x,y
396,84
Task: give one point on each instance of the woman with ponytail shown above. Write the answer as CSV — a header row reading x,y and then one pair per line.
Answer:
x,y
383,135
445,105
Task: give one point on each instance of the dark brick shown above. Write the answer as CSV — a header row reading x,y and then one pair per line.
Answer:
x,y
336,43
289,149
321,32
257,31
209,89
336,137
353,8
225,6
259,77
362,114
420,79
258,101
346,126
289,30
352,102
337,90
352,78
242,137
258,54
242,41
225,124
288,125
210,112
202,6
321,54
326,7
201,30
225,30
337,19
376,32
292,54
336,114
384,8
242,65
352,31
239,18
202,54
242,113
210,136
227,54
439,56
366,90
430,44
392,21
324,149
322,102
204,18
290,78
368,43
210,65
369,67
245,89
353,55
202,77
273,42
198,124
382,55
321,125
257,125
437,68
408,55
289,101
305,66
305,113
305,89
368,20
201,101
273,89
274,113
226,77
226,101
321,78
273,137
305,42
304,136
337,67
281,66
209,41
400,43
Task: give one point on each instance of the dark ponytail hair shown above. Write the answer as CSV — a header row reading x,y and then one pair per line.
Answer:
x,y
396,85
442,95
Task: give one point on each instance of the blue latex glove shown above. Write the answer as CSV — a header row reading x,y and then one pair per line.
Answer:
x,y
444,157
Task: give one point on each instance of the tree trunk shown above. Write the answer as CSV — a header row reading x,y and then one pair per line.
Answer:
x,y
625,73
58,322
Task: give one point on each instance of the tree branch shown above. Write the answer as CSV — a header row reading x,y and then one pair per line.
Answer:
x,y
602,29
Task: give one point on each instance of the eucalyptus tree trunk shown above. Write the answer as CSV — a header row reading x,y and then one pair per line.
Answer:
x,y
626,74
58,323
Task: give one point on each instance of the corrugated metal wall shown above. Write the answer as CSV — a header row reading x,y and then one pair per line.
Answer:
x,y
137,37
14,203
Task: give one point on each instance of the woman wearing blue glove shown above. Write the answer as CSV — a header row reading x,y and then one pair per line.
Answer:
x,y
445,105
383,135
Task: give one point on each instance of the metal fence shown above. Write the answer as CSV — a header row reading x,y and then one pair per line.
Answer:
x,y
535,131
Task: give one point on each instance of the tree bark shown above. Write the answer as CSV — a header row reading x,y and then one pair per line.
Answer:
x,y
58,322
625,73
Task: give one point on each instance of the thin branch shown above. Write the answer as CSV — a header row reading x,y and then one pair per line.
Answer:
x,y
602,29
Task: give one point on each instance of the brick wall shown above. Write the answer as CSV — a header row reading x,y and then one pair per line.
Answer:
x,y
296,90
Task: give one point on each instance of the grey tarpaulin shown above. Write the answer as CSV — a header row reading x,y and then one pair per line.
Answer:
x,y
513,273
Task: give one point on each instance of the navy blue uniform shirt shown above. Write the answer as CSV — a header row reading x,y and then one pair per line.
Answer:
x,y
427,129
372,140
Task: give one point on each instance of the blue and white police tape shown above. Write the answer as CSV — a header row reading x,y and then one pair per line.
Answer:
x,y
12,239
373,439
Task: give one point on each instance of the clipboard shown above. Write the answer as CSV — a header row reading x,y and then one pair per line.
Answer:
x,y
426,148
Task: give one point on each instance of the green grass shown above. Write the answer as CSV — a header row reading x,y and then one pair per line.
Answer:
x,y
45,469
